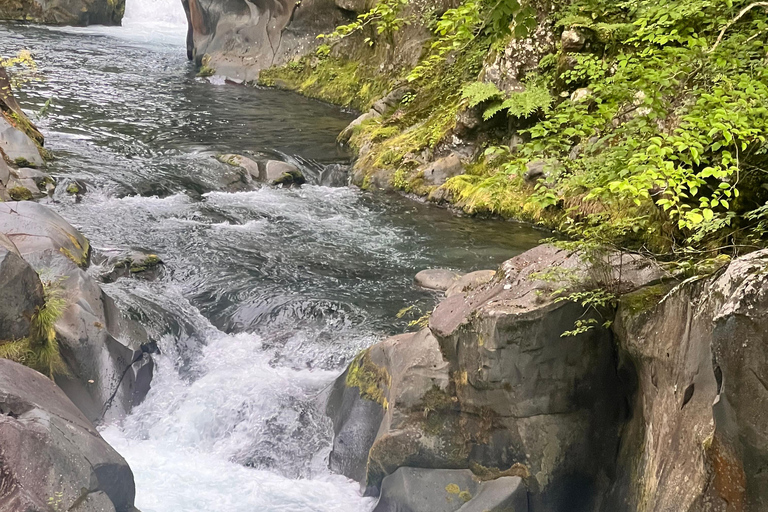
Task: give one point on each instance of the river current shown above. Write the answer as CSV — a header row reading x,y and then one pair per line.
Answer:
x,y
267,294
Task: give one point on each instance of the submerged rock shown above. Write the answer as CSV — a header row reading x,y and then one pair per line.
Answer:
x,y
271,172
52,456
145,265
64,12
105,353
439,279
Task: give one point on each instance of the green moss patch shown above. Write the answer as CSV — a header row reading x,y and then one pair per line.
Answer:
x,y
371,379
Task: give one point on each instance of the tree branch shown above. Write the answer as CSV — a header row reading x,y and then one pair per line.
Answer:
x,y
734,20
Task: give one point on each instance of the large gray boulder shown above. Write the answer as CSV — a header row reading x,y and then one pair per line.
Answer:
x,y
492,385
51,456
64,12
109,369
17,146
21,292
446,490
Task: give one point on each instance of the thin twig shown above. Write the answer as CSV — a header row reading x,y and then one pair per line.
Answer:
x,y
734,20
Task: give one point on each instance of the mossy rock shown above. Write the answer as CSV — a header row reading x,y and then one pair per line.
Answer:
x,y
371,379
20,194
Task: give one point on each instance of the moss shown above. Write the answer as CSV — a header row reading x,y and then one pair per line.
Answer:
x,y
370,379
73,189
336,80
453,489
81,257
485,473
465,496
20,194
206,69
23,162
644,299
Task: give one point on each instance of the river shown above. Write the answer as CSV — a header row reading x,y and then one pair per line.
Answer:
x,y
267,294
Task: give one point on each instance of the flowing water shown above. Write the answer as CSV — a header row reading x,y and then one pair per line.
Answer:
x,y
267,294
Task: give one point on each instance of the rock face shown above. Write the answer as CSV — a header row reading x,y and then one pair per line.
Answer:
x,y
108,367
493,386
64,12
51,456
240,37
21,292
698,437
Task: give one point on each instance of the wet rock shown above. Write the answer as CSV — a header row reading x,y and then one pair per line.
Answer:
x,y
334,175
52,454
65,12
440,171
572,40
275,172
439,279
445,490
145,265
21,292
441,195
470,281
108,367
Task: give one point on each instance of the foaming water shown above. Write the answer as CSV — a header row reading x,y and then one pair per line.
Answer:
x,y
265,295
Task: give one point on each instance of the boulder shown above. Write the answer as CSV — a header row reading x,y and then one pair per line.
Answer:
x,y
109,369
446,490
238,38
494,386
51,456
390,101
698,435
275,172
441,170
356,6
439,279
21,292
64,12
572,40
134,263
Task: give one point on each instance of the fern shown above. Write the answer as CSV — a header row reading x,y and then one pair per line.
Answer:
x,y
480,92
533,99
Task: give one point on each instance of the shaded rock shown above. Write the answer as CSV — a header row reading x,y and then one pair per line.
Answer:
x,y
18,146
581,94
334,175
439,171
445,490
539,170
356,6
105,353
441,195
572,40
437,279
349,131
470,281
275,172
698,435
64,12
51,451
21,292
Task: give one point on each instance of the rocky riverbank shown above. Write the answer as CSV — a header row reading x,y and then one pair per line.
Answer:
x,y
57,12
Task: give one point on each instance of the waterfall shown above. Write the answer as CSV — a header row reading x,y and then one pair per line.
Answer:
x,y
167,12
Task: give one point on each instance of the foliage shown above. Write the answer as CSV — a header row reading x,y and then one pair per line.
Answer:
x,y
384,17
521,104
40,349
21,69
